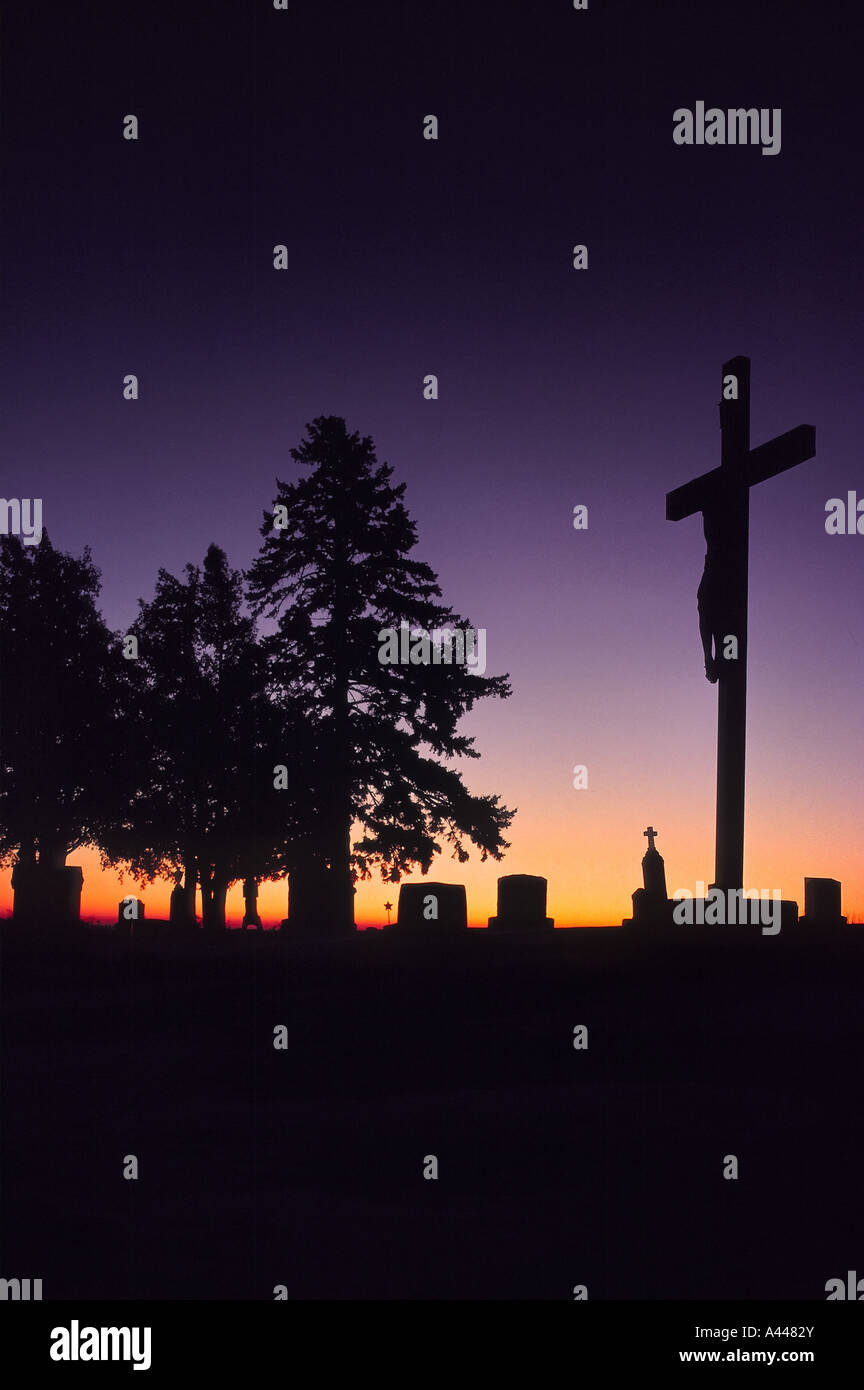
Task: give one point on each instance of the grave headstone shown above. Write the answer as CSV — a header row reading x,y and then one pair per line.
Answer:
x,y
653,870
651,904
129,911
521,905
822,903
250,904
179,914
432,908
314,901
45,895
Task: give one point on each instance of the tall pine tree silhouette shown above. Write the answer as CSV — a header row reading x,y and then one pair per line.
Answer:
x,y
194,787
333,572
57,668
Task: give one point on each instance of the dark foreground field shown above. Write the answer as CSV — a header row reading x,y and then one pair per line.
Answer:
x,y
557,1167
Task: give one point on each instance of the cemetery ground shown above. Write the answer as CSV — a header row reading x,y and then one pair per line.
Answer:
x,y
303,1167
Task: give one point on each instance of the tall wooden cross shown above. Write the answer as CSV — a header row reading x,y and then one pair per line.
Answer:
x,y
723,497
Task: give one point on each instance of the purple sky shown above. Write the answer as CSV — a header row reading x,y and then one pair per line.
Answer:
x,y
556,387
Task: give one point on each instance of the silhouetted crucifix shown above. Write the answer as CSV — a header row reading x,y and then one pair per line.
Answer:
x,y
723,497
650,834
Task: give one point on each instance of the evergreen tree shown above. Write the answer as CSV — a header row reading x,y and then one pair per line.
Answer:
x,y
57,689
334,570
195,782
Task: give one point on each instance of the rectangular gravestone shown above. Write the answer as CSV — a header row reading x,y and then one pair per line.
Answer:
x,y
822,903
432,908
130,912
521,905
47,896
313,904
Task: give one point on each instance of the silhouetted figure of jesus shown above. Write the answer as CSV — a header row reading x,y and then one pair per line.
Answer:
x,y
250,899
723,498
712,594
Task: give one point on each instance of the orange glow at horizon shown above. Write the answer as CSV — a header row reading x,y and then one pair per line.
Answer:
x,y
582,886
649,743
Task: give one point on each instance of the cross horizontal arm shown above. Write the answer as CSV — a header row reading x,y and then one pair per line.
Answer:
x,y
787,450
693,496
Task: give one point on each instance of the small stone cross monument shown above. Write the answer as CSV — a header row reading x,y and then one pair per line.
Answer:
x,y
651,904
653,869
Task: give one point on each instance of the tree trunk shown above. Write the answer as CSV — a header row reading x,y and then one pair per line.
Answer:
x,y
341,887
190,871
52,852
213,897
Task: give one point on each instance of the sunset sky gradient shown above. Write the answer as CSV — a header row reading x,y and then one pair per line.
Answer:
x,y
557,387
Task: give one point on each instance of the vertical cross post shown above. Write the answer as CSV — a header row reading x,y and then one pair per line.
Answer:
x,y
723,498
732,683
